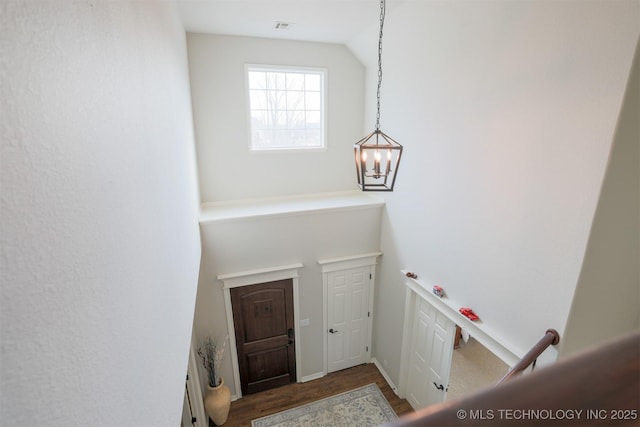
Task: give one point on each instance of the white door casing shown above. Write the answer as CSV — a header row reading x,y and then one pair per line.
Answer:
x,y
187,416
253,277
430,356
193,404
348,318
348,291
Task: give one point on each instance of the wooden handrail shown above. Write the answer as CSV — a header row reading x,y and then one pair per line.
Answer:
x,y
551,337
599,387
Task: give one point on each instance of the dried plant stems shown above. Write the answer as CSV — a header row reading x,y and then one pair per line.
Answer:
x,y
211,354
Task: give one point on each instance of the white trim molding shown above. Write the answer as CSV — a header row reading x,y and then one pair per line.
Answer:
x,y
194,390
254,277
263,275
345,263
312,377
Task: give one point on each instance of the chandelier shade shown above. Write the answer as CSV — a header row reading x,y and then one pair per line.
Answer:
x,y
377,158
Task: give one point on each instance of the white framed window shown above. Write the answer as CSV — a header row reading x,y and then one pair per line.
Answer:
x,y
286,107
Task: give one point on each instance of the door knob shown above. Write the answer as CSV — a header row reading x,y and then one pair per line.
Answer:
x,y
332,331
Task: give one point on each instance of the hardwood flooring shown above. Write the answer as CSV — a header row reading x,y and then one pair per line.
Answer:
x,y
290,396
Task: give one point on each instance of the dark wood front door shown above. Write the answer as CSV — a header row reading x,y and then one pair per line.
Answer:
x,y
263,317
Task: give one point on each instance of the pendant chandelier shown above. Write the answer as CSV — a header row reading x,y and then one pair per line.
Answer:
x,y
377,155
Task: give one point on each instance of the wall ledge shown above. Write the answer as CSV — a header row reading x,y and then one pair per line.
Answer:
x,y
488,338
220,212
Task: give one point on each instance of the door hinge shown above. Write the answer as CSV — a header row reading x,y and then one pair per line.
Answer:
x,y
368,314
370,276
367,349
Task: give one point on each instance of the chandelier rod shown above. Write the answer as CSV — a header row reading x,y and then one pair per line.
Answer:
x,y
382,14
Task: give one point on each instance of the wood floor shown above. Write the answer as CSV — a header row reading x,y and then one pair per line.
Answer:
x,y
279,399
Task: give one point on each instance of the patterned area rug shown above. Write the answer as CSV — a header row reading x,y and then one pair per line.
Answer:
x,y
362,407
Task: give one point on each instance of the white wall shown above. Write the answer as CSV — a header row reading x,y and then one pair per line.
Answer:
x,y
250,244
607,296
100,243
228,171
507,112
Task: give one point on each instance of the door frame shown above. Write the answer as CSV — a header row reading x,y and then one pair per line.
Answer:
x,y
346,263
193,390
254,277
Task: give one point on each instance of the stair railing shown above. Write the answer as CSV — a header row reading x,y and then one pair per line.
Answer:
x,y
590,388
551,337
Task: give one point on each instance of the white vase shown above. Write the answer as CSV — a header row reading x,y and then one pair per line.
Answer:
x,y
217,402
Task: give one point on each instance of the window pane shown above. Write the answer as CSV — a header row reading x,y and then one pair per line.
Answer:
x,y
262,138
259,120
286,108
277,100
276,81
313,101
271,81
298,138
282,138
295,100
314,138
280,120
295,81
313,119
312,82
257,80
258,100
297,120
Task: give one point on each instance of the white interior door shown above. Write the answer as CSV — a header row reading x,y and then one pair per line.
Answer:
x,y
348,318
430,356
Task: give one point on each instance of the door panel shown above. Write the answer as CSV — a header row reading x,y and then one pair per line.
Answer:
x,y
348,318
267,364
417,392
263,317
443,334
430,356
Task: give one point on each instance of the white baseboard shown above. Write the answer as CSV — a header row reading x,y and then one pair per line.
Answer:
x,y
312,377
385,375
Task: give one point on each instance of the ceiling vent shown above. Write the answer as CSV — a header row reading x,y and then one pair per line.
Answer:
x,y
282,25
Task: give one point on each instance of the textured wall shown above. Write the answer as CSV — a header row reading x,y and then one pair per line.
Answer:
x,y
100,243
507,111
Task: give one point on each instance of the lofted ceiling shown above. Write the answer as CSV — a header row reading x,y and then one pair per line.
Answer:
x,y
329,21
